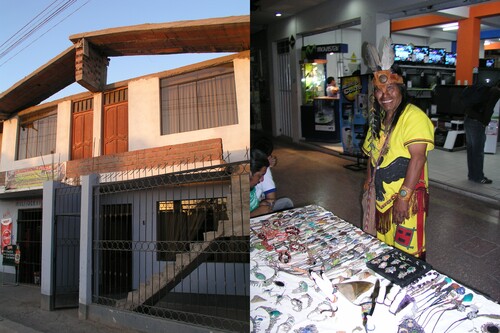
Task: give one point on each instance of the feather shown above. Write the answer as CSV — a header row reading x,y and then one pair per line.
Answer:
x,y
387,54
371,57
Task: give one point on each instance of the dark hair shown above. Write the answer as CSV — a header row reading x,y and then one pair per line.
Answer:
x,y
330,79
377,124
264,144
258,160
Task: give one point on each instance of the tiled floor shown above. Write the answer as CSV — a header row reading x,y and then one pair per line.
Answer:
x,y
463,227
448,169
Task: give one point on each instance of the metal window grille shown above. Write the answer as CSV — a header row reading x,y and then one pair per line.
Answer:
x,y
175,246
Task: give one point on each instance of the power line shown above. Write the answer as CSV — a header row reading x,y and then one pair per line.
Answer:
x,y
37,26
77,9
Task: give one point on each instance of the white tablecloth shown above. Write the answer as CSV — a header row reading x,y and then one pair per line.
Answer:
x,y
289,249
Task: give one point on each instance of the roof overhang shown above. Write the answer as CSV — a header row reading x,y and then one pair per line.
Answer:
x,y
91,49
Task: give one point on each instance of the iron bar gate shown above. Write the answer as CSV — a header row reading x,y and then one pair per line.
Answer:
x,y
175,246
67,246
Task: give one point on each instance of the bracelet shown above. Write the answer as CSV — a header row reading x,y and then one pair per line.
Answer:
x,y
409,192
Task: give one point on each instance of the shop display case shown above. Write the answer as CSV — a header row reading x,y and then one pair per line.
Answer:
x,y
313,80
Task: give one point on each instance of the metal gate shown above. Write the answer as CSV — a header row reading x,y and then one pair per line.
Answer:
x,y
29,240
284,100
66,246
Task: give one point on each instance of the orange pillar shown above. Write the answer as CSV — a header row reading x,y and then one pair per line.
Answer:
x,y
468,37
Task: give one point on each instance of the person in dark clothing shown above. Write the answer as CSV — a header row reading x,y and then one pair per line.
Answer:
x,y
476,119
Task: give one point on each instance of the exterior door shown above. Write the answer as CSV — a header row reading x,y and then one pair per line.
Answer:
x,y
82,134
115,128
29,239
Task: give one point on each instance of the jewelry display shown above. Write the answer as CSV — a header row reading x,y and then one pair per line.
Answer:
x,y
264,276
409,325
490,328
273,316
287,325
398,267
292,249
323,311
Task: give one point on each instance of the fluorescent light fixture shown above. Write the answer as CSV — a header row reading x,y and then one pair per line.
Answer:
x,y
450,26
278,14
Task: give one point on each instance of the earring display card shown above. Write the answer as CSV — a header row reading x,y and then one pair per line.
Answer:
x,y
398,267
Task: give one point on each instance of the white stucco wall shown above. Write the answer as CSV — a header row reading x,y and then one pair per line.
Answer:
x,y
144,117
63,142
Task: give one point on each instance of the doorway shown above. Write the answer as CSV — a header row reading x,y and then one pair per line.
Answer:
x,y
29,239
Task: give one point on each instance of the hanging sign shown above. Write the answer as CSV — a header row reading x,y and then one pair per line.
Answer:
x,y
6,231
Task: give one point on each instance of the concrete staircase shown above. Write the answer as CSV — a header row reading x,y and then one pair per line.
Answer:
x,y
238,201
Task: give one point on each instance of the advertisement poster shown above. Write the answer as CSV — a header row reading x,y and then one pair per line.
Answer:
x,y
6,232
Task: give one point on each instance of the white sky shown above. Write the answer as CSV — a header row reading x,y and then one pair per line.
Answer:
x,y
80,16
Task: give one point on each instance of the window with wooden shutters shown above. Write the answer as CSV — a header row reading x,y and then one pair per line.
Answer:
x,y
37,134
199,100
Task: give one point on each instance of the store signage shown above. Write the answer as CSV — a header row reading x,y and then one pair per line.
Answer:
x,y
34,177
331,48
351,87
6,231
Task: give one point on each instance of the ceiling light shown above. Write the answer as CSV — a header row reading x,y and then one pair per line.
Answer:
x,y
450,26
278,14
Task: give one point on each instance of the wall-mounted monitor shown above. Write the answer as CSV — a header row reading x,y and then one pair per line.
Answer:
x,y
420,54
487,63
437,56
450,59
402,52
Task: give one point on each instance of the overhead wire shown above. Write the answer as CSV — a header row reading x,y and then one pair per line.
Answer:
x,y
37,27
77,9
19,31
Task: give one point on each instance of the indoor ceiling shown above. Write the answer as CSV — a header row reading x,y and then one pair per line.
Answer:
x,y
263,11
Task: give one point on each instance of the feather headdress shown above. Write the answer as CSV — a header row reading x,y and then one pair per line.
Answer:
x,y
381,66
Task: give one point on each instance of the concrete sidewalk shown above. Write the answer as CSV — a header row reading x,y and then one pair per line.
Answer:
x,y
20,312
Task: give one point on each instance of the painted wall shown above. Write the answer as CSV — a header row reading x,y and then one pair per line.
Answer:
x,y
144,124
144,117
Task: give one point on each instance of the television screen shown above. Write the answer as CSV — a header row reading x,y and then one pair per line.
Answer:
x,y
402,52
420,54
447,100
415,79
437,56
489,63
450,59
448,78
431,80
488,76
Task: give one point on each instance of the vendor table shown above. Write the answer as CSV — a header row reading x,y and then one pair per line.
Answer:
x,y
311,271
